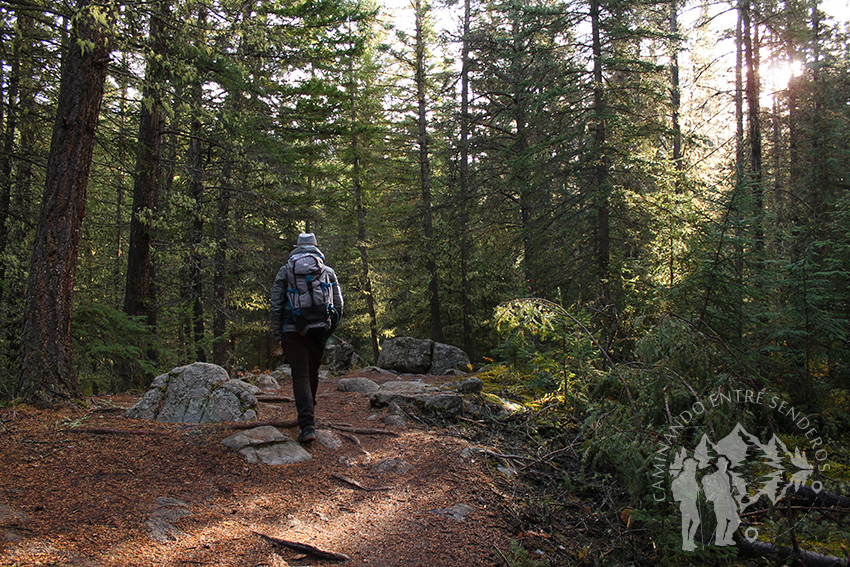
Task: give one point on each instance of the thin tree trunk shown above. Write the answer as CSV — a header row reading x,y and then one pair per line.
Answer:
x,y
195,166
751,44
117,268
521,174
362,244
675,94
601,174
675,106
465,248
740,167
10,132
47,371
425,177
221,350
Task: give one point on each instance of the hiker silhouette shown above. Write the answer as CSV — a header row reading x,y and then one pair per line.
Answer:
x,y
686,489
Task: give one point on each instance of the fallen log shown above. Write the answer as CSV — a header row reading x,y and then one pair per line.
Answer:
x,y
781,555
305,548
806,495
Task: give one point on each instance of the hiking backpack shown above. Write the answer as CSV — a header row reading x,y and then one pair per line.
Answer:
x,y
310,293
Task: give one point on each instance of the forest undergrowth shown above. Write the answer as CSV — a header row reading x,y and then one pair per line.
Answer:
x,y
588,447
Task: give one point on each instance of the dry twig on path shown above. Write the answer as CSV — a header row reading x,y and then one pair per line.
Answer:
x,y
305,548
268,398
109,431
355,484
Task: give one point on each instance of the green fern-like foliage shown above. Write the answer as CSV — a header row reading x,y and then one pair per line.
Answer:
x,y
107,341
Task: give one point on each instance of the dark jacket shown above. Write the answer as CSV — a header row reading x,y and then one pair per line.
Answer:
x,y
280,306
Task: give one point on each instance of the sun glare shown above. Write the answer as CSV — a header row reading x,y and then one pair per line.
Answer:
x,y
776,76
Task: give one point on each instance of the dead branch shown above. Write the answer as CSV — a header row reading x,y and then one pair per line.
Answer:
x,y
364,431
355,440
108,431
355,484
272,399
305,548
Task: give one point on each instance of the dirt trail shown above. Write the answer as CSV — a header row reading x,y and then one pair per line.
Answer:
x,y
84,499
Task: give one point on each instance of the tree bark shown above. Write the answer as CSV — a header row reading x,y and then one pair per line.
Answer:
x,y
194,161
425,176
139,298
464,182
221,346
9,129
601,173
47,371
751,44
362,244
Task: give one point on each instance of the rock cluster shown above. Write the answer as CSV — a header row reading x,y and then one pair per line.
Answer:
x,y
196,393
421,356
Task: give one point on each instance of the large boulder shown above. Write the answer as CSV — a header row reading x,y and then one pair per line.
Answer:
x,y
406,354
421,356
447,357
196,393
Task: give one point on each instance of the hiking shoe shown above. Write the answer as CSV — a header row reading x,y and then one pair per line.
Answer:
x,y
307,435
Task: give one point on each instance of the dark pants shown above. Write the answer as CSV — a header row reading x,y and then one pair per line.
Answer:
x,y
304,354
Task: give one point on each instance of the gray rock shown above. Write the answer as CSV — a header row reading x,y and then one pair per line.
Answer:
x,y
446,404
403,386
268,382
376,370
445,358
383,398
340,356
470,386
394,420
357,384
406,354
458,512
421,356
196,393
394,465
328,439
267,445
160,523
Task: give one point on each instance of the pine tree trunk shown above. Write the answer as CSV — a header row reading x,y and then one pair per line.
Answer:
x,y
751,44
465,247
9,129
221,346
362,245
47,371
425,177
740,167
601,173
675,94
194,161
139,297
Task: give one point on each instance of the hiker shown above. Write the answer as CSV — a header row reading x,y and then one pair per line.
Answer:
x,y
306,305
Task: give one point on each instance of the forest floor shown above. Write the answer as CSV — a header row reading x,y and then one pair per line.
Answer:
x,y
85,486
